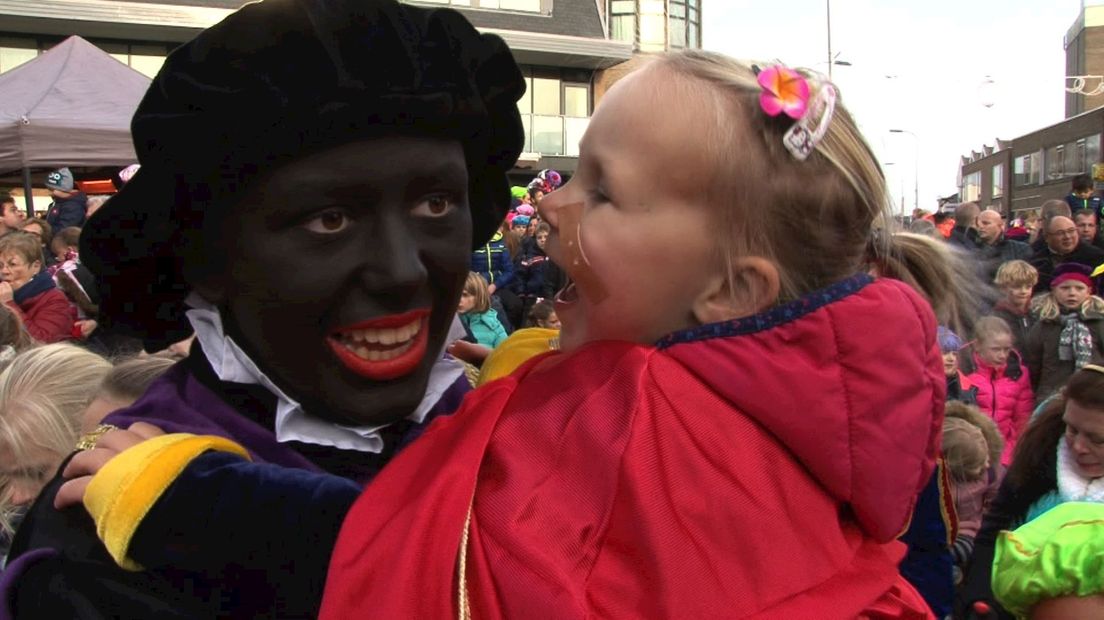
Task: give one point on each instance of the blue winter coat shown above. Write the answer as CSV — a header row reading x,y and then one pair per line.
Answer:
x,y
492,261
485,326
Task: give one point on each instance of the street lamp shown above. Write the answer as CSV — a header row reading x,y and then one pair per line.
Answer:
x,y
902,194
916,170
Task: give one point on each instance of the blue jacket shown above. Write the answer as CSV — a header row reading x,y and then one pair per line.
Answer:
x,y
532,272
492,261
485,326
66,212
1092,202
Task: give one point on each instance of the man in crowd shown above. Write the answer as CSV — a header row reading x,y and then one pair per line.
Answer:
x,y
70,204
994,247
1062,245
1087,229
1049,210
965,233
10,216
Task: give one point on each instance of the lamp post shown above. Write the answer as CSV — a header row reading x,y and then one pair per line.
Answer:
x,y
828,18
902,193
916,170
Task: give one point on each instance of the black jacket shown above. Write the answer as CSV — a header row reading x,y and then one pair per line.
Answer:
x,y
66,212
1045,261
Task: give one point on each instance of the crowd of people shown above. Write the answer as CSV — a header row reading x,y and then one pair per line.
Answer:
x,y
672,385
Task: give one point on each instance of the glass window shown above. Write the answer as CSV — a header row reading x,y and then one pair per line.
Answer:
x,y
1027,169
548,135
546,96
678,9
527,123
576,100
623,28
147,59
1075,159
655,7
652,33
998,180
15,51
971,186
694,40
573,134
677,32
525,104
1092,151
1055,162
532,6
623,6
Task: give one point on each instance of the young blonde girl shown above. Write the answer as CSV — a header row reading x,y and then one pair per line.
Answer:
x,y
1070,331
1001,380
972,447
476,313
742,431
1016,279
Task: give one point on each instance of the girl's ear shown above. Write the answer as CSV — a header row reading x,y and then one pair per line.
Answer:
x,y
754,287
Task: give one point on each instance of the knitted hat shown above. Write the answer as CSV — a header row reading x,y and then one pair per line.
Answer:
x,y
1072,271
61,179
525,210
273,82
949,342
520,220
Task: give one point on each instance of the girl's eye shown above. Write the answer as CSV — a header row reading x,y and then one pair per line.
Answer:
x,y
328,222
438,205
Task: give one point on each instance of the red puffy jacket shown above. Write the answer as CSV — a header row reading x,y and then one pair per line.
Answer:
x,y
1004,394
48,316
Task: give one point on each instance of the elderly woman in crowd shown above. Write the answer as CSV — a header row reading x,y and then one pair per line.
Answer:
x,y
29,290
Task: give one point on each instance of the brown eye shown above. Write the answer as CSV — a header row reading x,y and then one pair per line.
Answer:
x,y
435,206
328,222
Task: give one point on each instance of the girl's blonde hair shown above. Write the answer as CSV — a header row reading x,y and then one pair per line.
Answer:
x,y
476,286
1048,308
964,449
818,219
1016,273
974,416
989,326
43,393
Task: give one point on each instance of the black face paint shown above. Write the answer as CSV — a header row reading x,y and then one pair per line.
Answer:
x,y
344,269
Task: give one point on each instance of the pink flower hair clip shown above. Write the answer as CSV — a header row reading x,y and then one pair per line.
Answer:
x,y
787,91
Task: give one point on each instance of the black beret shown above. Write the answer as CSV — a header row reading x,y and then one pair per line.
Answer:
x,y
274,81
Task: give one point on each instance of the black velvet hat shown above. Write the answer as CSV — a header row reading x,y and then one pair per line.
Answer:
x,y
272,82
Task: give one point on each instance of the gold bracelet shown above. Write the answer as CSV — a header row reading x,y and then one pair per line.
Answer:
x,y
88,440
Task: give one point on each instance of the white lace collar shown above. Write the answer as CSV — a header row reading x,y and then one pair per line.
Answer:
x,y
231,364
1072,487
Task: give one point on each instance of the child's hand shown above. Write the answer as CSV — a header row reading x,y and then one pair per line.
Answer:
x,y
86,464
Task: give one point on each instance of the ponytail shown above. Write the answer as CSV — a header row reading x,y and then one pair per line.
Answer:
x,y
935,270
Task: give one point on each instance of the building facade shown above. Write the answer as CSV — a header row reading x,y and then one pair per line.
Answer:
x,y
561,45
1084,44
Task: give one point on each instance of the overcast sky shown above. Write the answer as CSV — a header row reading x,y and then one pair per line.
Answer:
x,y
939,52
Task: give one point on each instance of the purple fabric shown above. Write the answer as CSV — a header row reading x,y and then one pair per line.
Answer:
x,y
12,572
179,403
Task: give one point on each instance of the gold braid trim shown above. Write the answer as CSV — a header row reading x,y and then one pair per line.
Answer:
x,y
462,603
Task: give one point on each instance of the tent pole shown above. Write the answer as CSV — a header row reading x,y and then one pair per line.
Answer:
x,y
28,197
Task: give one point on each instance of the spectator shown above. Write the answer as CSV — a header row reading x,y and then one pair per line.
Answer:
x,y
29,290
924,227
1049,210
965,232
11,218
279,310
1062,246
1018,231
1016,279
543,315
1059,459
1082,196
1086,222
43,392
1070,331
968,458
958,384
70,204
993,247
1003,384
14,338
531,269
477,315
38,227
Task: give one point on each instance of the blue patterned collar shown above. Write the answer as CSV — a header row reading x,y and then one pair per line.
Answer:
x,y
771,318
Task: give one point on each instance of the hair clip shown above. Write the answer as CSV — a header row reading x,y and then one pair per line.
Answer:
x,y
807,132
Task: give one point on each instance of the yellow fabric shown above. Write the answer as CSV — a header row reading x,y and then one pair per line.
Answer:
x,y
120,494
1060,553
516,350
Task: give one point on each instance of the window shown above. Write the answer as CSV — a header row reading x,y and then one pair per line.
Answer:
x,y
971,186
623,20
527,6
998,180
15,51
576,100
1055,162
546,96
1092,151
1027,169
653,29
683,24
555,110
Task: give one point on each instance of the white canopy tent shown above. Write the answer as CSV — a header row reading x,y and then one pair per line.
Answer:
x,y
70,106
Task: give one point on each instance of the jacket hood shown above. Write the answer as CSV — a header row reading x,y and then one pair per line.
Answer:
x,y
850,379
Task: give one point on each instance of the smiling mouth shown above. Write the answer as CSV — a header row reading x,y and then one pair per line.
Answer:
x,y
385,348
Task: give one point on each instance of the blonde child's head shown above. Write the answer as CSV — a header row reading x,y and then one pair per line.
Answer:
x,y
965,450
1016,279
993,340
680,158
1071,290
475,297
971,414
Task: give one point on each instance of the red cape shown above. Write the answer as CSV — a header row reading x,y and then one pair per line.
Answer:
x,y
763,475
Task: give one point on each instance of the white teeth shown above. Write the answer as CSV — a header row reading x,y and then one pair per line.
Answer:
x,y
386,337
376,355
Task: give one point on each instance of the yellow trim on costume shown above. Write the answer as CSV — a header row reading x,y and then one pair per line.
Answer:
x,y
120,495
520,347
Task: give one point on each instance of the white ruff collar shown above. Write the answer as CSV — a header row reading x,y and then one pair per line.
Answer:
x,y
1072,487
231,364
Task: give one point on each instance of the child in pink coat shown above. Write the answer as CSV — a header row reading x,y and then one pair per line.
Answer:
x,y
1003,385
